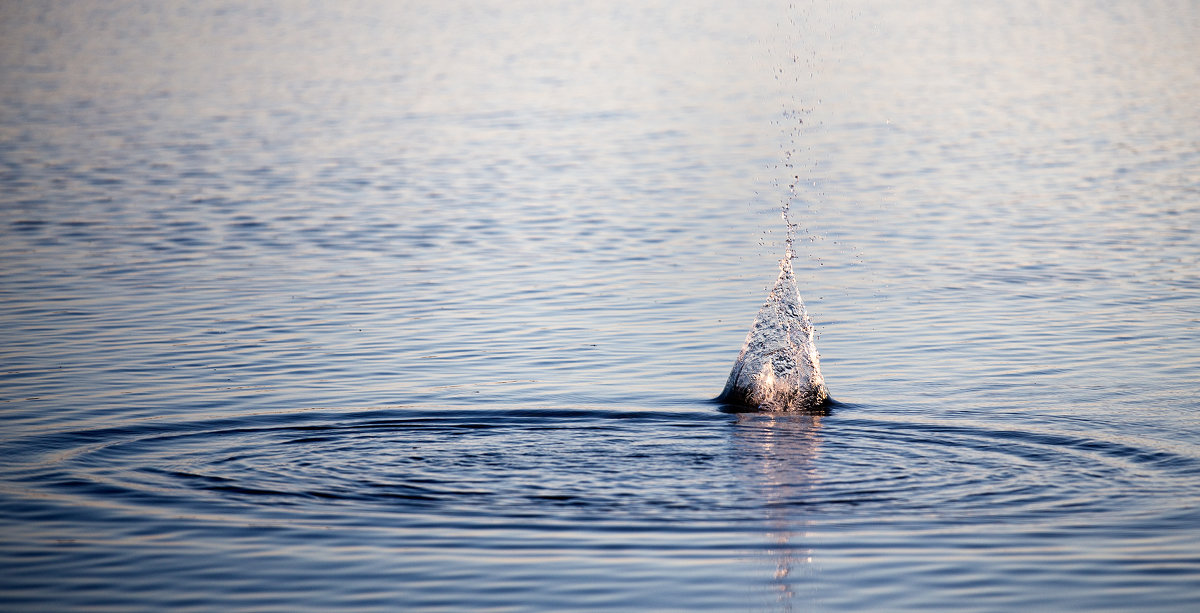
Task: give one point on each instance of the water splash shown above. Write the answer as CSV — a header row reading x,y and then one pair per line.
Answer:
x,y
779,368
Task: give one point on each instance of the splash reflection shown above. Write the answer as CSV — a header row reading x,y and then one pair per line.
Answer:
x,y
779,452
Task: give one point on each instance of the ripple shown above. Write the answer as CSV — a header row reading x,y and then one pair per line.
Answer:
x,y
602,463
862,467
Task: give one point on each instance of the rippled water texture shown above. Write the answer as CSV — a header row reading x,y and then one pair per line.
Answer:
x,y
422,306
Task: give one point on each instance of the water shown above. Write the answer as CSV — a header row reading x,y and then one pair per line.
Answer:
x,y
779,368
421,306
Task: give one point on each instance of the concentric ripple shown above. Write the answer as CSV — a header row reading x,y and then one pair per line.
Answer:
x,y
948,468
443,495
612,464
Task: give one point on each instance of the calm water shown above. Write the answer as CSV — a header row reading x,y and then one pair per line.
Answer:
x,y
420,306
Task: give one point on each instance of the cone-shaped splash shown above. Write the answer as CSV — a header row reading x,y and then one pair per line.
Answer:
x,y
778,368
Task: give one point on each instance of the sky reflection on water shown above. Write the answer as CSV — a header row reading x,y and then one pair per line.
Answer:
x,y
373,305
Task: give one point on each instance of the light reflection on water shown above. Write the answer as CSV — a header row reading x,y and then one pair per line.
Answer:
x,y
782,451
378,306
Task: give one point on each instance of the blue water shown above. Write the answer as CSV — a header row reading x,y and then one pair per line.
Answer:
x,y
421,306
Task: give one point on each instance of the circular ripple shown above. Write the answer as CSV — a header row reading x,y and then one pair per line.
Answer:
x,y
864,467
525,463
607,464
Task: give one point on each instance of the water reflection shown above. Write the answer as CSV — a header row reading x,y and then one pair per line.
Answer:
x,y
778,452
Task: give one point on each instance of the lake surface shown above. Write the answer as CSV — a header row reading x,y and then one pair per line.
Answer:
x,y
421,306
